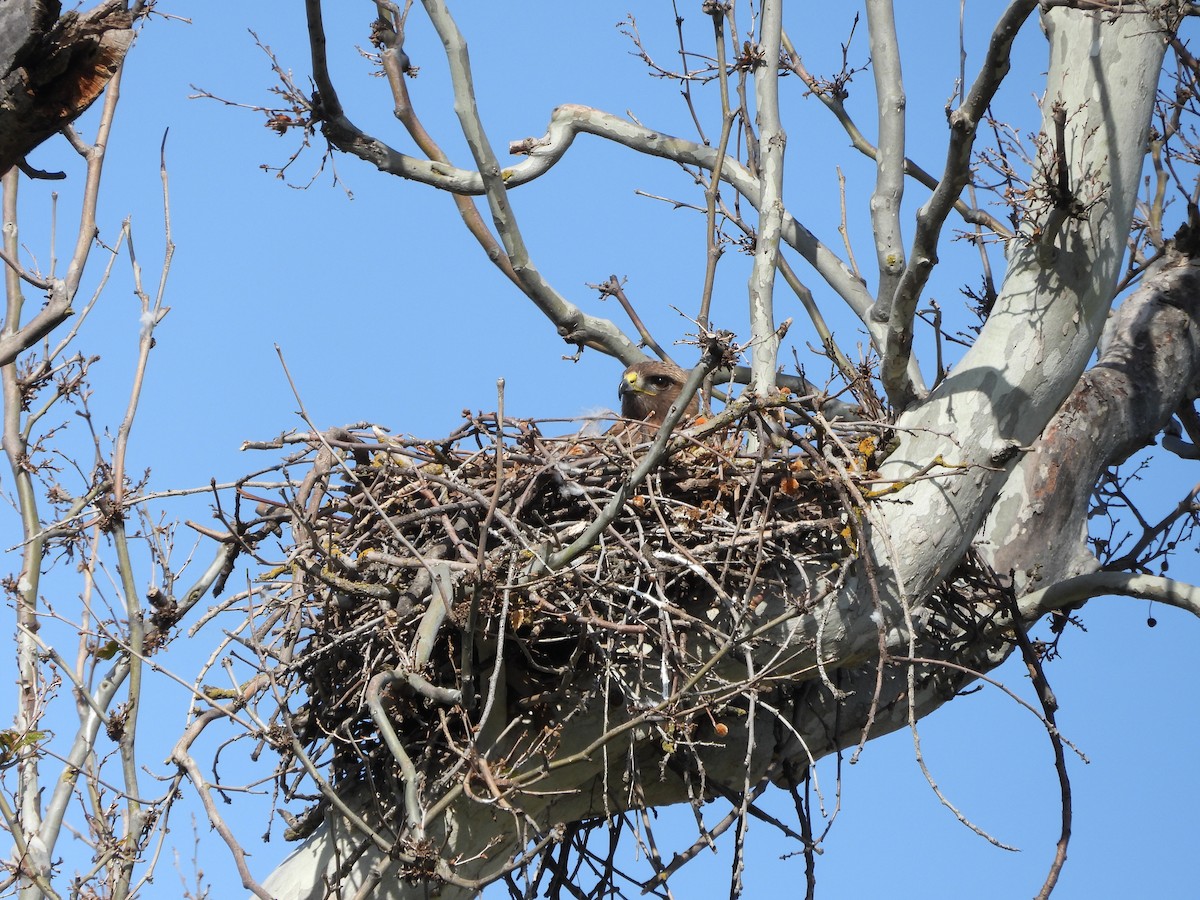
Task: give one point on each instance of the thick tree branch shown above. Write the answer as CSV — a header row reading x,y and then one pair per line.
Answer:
x,y
54,68
1149,367
1047,319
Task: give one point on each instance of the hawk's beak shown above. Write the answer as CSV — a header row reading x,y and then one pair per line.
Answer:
x,y
629,382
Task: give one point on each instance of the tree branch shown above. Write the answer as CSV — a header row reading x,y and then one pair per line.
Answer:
x,y
899,310
834,103
1073,591
569,120
574,326
889,179
772,141
393,57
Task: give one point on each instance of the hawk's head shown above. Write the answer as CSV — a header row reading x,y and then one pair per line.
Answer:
x,y
647,391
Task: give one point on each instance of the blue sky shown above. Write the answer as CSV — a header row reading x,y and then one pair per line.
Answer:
x,y
386,311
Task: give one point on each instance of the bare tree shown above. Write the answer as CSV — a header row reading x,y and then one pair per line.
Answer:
x,y
898,546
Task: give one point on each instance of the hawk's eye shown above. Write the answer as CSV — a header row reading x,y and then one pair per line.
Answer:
x,y
659,381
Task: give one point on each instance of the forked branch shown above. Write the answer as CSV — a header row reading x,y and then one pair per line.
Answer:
x,y
899,310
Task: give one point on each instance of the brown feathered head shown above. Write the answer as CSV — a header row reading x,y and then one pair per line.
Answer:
x,y
647,391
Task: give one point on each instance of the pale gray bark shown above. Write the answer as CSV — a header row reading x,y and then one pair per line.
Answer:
x,y
1053,304
772,141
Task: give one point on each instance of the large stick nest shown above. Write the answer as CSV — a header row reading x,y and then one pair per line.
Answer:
x,y
414,567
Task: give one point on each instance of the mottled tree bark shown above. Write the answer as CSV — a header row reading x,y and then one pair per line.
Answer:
x,y
52,68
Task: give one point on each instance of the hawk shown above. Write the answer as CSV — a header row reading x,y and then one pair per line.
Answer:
x,y
647,392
